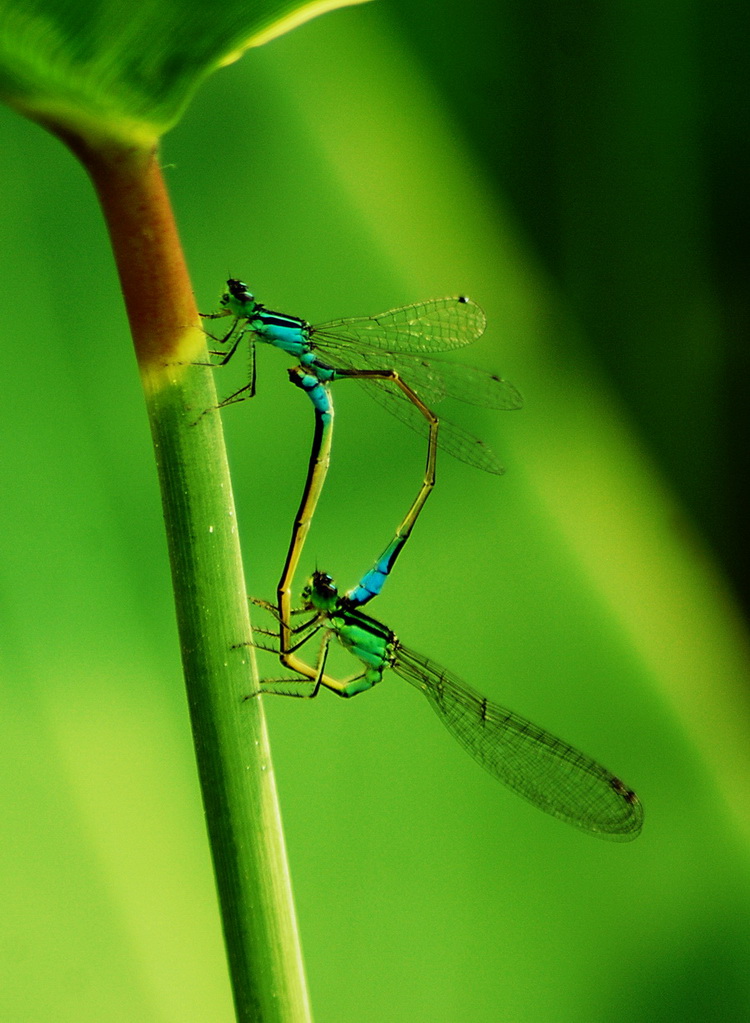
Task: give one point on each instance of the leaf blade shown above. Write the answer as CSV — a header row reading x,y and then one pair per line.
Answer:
x,y
126,74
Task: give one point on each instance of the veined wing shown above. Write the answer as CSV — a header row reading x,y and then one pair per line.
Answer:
x,y
554,776
433,378
475,386
418,373
451,438
426,378
438,325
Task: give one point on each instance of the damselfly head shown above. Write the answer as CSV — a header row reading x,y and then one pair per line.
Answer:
x,y
238,298
321,592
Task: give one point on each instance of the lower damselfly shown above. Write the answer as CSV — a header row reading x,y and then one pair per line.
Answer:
x,y
550,773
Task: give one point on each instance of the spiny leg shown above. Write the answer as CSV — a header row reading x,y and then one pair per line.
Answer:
x,y
247,390
345,688
274,611
235,329
289,686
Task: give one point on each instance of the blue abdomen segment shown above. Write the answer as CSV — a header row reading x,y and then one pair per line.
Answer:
x,y
316,391
371,584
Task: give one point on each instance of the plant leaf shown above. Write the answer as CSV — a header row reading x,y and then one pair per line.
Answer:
x,y
105,70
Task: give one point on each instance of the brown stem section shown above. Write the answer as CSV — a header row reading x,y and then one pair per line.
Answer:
x,y
150,262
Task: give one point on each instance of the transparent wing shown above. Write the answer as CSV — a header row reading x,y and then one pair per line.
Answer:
x,y
420,374
438,325
554,776
472,385
451,438
432,378
430,381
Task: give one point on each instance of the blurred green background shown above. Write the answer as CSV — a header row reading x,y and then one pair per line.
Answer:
x,y
581,172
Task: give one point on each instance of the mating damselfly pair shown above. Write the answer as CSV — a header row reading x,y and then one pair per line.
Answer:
x,y
396,355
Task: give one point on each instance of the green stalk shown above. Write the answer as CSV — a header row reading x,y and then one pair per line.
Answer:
x,y
229,731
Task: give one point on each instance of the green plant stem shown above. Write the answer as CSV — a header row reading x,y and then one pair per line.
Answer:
x,y
229,731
